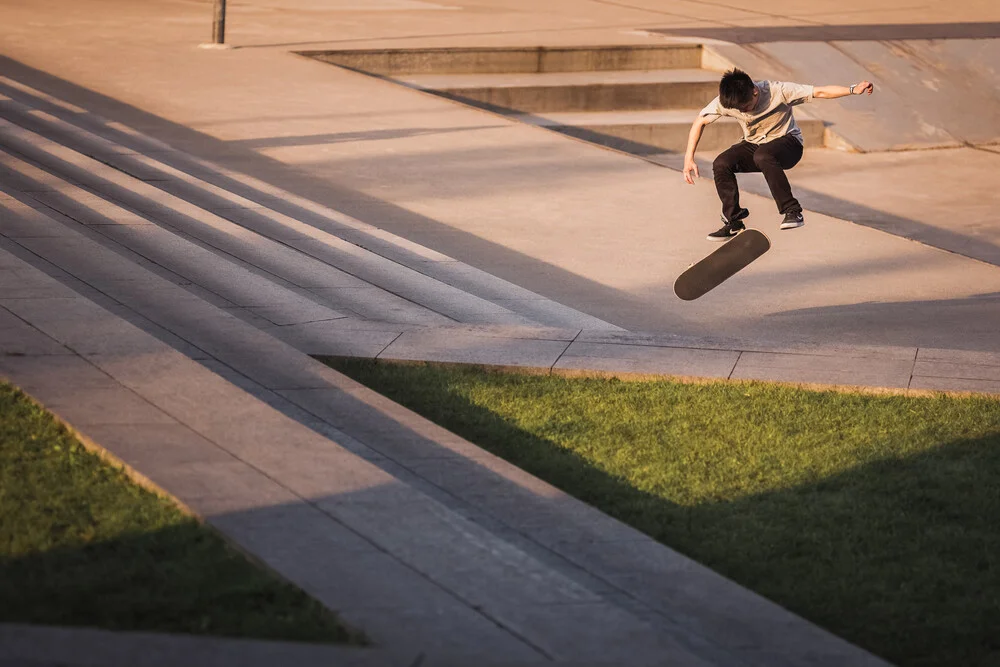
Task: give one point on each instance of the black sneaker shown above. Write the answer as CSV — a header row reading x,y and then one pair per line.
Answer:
x,y
792,220
728,231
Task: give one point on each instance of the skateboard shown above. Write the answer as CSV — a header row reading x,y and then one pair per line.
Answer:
x,y
727,259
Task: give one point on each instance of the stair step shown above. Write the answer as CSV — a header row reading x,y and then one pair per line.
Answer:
x,y
655,131
391,62
576,91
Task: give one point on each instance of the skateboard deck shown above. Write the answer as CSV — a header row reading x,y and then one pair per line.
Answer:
x,y
727,259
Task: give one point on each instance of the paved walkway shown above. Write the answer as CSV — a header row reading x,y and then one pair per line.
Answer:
x,y
182,228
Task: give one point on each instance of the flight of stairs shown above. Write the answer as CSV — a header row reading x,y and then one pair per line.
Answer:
x,y
76,186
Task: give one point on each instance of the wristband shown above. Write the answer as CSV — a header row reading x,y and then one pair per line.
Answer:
x,y
852,88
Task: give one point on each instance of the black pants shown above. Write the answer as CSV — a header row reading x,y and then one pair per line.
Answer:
x,y
771,159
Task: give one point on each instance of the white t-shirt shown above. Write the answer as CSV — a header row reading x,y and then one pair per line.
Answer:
x,y
772,117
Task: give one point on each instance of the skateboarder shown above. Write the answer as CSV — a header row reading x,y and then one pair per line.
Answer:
x,y
772,142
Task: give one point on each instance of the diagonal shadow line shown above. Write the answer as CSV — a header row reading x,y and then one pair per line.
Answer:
x,y
531,273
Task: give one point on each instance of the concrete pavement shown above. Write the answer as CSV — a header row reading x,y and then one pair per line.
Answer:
x,y
219,278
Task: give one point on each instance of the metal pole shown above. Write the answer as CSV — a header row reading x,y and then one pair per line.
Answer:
x,y
219,24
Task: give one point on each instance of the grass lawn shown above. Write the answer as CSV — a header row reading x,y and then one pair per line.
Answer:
x,y
81,544
877,517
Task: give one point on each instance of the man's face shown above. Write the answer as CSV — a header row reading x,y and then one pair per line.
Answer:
x,y
749,106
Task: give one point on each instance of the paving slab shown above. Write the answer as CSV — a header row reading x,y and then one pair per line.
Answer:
x,y
398,436
960,385
152,446
646,360
90,250
378,304
685,591
20,339
513,332
369,588
520,501
105,405
551,313
19,220
326,338
19,283
51,373
959,356
449,346
804,368
746,344
81,326
956,370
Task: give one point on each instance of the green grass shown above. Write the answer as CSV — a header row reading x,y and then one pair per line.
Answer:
x,y
81,544
877,517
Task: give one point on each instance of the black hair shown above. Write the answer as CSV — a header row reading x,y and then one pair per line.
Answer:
x,y
735,89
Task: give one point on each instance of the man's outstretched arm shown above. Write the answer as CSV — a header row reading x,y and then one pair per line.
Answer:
x,y
833,92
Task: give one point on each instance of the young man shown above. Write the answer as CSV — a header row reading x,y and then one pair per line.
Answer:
x,y
772,142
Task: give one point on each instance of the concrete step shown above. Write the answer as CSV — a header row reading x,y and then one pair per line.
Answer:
x,y
393,62
388,263
647,132
576,91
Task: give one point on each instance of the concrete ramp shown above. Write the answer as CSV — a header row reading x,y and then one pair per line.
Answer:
x,y
930,92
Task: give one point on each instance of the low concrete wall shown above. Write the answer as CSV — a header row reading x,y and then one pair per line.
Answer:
x,y
388,62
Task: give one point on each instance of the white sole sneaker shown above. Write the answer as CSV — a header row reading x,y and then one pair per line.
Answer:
x,y
792,225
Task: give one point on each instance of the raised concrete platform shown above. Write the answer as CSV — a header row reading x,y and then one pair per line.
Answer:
x,y
391,62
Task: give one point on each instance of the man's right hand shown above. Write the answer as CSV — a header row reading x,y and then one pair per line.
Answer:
x,y
690,171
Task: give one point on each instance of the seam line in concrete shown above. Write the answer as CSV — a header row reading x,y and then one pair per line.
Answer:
x,y
739,355
552,367
913,368
387,345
